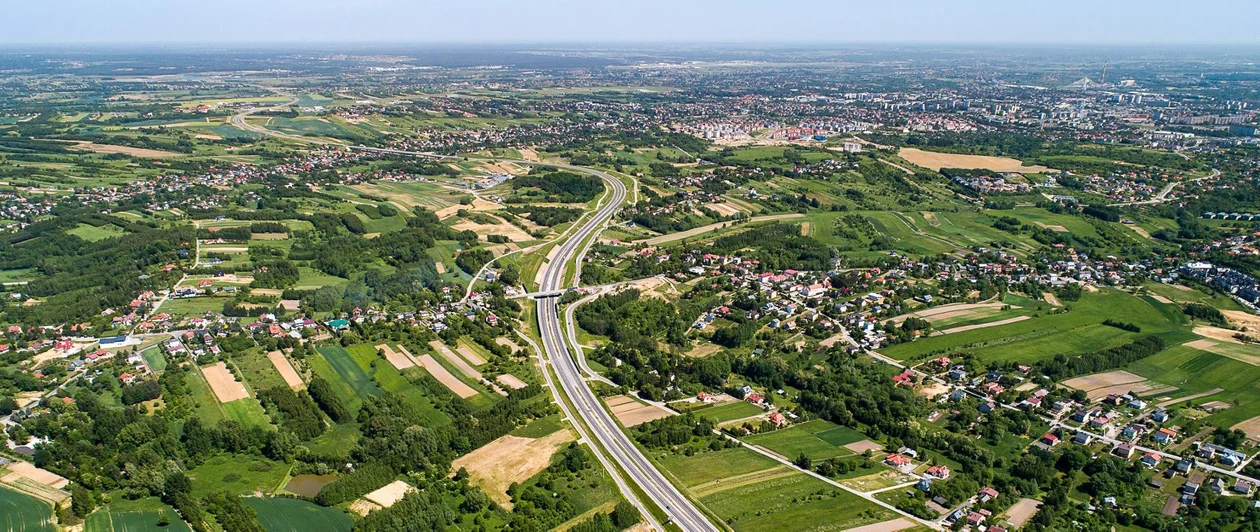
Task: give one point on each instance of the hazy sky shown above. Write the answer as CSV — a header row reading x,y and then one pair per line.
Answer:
x,y
529,21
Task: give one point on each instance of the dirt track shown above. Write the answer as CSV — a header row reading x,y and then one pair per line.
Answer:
x,y
657,240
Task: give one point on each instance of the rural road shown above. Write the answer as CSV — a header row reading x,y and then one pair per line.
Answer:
x,y
672,237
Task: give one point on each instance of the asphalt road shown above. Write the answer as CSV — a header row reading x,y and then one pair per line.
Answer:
x,y
680,510
603,428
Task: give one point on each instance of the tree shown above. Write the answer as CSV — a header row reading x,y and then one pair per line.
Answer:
x,y
81,501
804,462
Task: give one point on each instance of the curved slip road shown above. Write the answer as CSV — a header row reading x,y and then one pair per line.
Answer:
x,y
681,511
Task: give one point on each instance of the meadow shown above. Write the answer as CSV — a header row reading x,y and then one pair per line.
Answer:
x,y
240,474
808,439
394,381
1193,371
752,492
730,411
295,515
1078,330
19,511
134,515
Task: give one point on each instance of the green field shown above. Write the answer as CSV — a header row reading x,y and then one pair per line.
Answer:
x,y
349,371
388,378
840,436
710,466
194,306
247,412
93,233
140,514
781,499
296,515
803,439
258,370
241,474
540,427
205,404
794,502
19,511
730,411
1077,331
154,358
1194,371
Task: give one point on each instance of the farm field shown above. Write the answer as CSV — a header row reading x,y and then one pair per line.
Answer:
x,y
241,474
807,438
19,511
1077,331
1194,371
752,492
938,160
730,411
280,514
509,460
385,376
154,358
349,372
137,515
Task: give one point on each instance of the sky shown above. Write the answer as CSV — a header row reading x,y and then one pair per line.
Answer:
x,y
636,21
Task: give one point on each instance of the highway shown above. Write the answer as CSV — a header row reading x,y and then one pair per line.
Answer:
x,y
603,428
679,509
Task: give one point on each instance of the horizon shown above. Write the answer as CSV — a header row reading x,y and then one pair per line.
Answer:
x,y
570,22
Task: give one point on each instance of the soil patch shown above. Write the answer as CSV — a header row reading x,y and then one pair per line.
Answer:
x,y
633,413
1247,320
443,376
286,370
1102,380
725,208
507,343
954,310
1051,299
1171,402
226,388
28,471
1020,512
308,485
390,493
511,381
936,161
1251,427
471,356
892,525
860,447
128,150
510,459
455,359
478,204
396,359
502,228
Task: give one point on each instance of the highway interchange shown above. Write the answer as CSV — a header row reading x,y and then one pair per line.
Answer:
x,y
598,423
